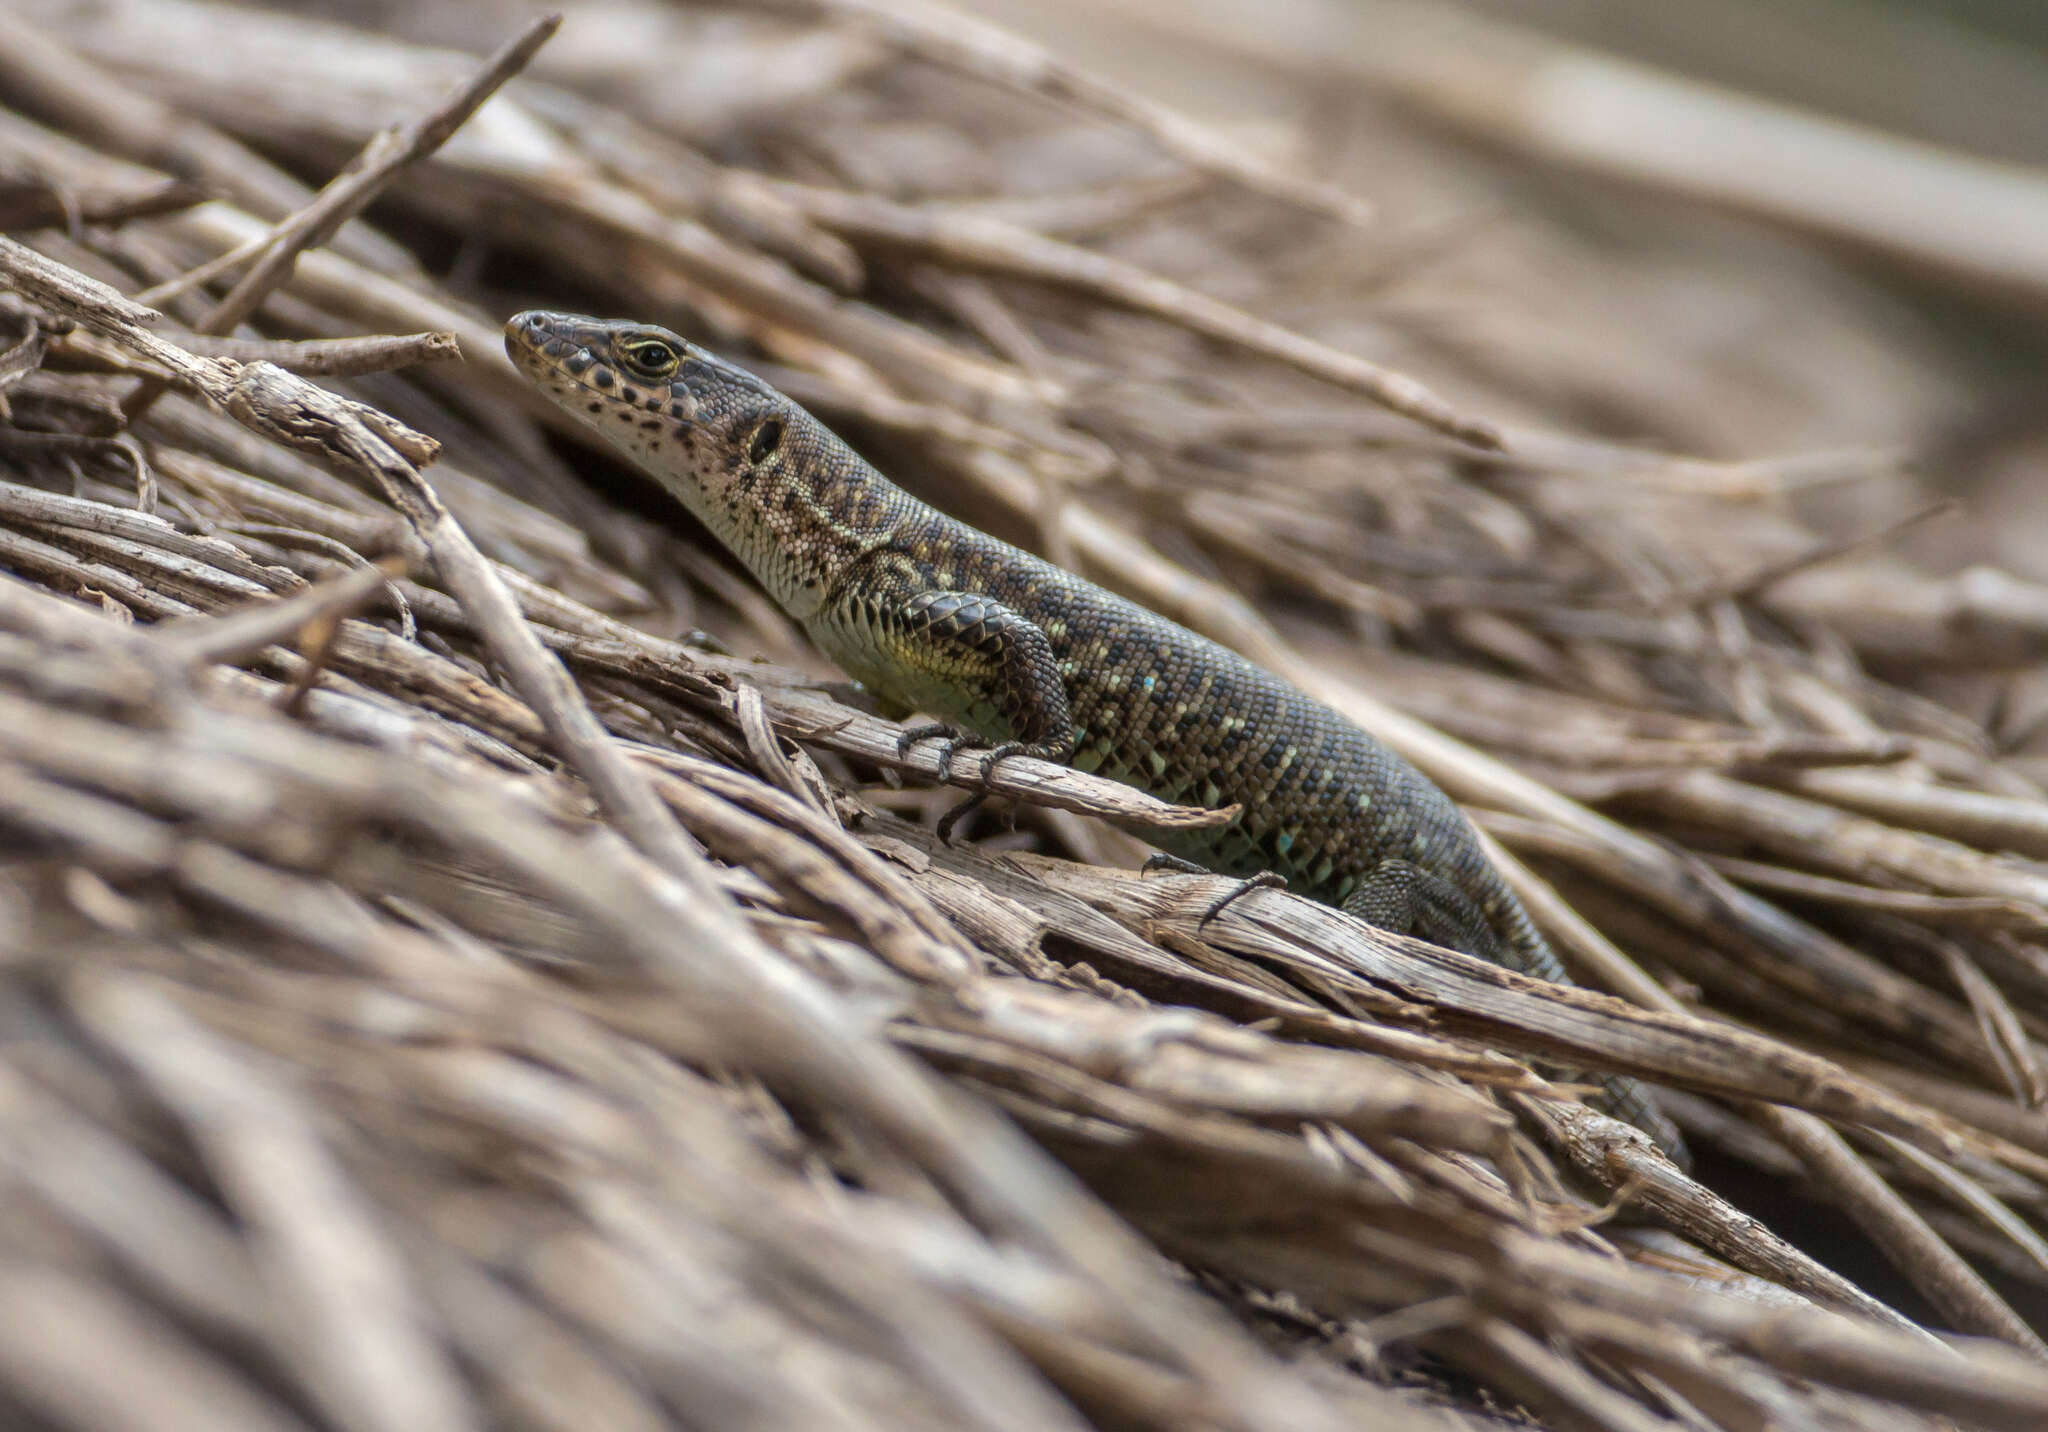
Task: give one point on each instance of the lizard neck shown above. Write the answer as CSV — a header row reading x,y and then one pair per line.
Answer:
x,y
800,524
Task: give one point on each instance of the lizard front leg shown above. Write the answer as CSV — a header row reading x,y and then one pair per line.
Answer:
x,y
965,657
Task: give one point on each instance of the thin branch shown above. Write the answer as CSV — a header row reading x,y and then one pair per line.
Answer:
x,y
977,241
388,154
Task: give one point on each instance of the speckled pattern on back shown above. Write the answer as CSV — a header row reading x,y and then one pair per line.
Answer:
x,y
936,616
1175,714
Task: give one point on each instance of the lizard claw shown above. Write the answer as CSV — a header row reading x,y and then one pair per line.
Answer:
x,y
952,818
950,738
953,739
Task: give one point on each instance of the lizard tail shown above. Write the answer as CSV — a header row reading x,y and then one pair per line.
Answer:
x,y
1625,1097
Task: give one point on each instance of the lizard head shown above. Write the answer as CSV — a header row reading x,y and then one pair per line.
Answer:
x,y
763,475
706,430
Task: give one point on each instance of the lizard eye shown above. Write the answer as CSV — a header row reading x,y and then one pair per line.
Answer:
x,y
767,438
650,357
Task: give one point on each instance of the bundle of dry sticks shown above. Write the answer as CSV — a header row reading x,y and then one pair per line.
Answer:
x,y
441,992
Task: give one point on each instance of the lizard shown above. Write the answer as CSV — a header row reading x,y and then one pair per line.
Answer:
x,y
1020,657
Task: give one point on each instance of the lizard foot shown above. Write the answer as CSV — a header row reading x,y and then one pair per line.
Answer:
x,y
952,818
953,737
1264,880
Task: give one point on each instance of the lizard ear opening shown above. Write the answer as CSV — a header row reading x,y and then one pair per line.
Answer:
x,y
767,438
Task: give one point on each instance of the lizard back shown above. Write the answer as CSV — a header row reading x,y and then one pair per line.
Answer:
x,y
1181,717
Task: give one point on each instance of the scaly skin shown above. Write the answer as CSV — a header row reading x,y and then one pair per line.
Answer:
x,y
935,616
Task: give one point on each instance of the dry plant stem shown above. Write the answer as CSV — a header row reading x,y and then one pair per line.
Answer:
x,y
1465,771
985,51
1916,1249
783,1019
388,154
1764,577
1852,846
1892,1223
29,206
990,245
374,300
1957,214
333,357
435,805
452,807
382,160
94,102
992,1168
311,357
1967,911
2004,1034
1552,1383
126,323
161,1233
1678,1203
244,633
1990,822
1976,1200
733,200
1695,1211
1588,952
59,1333
719,682
1935,1267
787,306
1994,1113
350,1312
1999,1389
1473,998
1761,947
1913,618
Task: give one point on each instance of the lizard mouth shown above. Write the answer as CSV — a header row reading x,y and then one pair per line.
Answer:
x,y
558,350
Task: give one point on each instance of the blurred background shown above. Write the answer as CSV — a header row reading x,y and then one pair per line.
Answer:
x,y
1740,228
1755,591
1746,229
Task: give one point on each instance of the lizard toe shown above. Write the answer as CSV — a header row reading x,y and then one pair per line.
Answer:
x,y
910,735
950,821
997,754
1264,880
